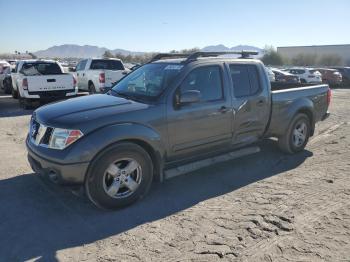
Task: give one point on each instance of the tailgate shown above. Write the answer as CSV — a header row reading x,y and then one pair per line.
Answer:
x,y
112,77
50,83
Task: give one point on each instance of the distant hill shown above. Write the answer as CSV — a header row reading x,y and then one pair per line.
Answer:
x,y
86,51
78,51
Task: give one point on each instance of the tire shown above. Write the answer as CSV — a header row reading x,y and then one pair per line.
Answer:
x,y
7,84
14,94
92,89
24,102
295,141
99,180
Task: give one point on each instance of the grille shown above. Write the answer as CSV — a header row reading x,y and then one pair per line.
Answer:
x,y
40,134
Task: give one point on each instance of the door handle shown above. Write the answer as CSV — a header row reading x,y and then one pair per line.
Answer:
x,y
83,74
223,109
260,102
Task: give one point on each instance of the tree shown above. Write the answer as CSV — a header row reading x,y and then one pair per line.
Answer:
x,y
330,60
272,57
32,55
107,54
304,60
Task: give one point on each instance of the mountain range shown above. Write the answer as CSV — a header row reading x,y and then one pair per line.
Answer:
x,y
85,51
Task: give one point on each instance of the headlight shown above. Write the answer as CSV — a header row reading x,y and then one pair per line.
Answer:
x,y
61,138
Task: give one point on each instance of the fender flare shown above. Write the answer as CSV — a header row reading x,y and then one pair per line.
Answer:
x,y
92,144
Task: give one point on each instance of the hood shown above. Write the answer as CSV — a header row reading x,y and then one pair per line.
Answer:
x,y
96,109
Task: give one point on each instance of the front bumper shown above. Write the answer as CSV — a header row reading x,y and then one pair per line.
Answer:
x,y
67,174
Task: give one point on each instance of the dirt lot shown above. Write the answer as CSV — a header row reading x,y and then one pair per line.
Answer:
x,y
266,207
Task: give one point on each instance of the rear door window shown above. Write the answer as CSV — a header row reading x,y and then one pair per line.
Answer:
x,y
245,80
106,64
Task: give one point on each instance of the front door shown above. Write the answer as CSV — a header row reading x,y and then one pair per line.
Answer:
x,y
198,127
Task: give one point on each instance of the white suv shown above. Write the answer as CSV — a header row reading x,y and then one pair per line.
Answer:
x,y
306,75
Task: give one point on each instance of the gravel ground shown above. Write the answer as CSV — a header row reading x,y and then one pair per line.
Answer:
x,y
265,207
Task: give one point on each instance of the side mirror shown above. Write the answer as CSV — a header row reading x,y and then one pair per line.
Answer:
x,y
189,97
125,72
71,69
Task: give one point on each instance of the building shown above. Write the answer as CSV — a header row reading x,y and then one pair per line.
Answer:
x,y
342,51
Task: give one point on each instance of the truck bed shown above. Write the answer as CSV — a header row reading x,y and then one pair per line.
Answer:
x,y
286,102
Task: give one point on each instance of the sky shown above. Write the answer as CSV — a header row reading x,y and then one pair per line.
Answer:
x,y
163,25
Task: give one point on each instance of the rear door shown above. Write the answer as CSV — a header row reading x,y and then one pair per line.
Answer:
x,y
199,127
251,103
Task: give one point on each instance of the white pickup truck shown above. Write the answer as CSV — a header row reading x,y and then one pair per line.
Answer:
x,y
41,80
99,75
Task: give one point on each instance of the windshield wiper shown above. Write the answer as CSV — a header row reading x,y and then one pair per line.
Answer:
x,y
128,96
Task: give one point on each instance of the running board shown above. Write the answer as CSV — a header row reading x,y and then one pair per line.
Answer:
x,y
180,170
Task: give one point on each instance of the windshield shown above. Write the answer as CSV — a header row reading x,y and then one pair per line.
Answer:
x,y
147,81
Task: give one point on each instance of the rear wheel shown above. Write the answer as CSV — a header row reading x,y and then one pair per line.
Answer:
x,y
119,176
7,87
92,89
24,102
14,93
297,135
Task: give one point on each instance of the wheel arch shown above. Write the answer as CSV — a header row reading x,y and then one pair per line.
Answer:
x,y
144,137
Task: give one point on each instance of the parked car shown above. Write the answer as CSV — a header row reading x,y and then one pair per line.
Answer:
x,y
166,118
5,74
306,75
285,77
271,74
330,76
99,75
41,80
345,72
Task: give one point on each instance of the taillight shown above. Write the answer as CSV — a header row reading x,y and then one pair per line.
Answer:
x,y
74,81
329,96
102,78
25,84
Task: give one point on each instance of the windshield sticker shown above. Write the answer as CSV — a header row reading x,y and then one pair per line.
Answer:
x,y
173,67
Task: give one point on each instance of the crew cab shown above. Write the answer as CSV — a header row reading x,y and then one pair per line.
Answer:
x,y
41,80
99,75
171,116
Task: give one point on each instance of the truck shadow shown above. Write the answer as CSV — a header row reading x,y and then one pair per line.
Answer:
x,y
37,219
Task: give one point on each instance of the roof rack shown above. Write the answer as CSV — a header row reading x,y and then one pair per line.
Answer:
x,y
196,55
168,55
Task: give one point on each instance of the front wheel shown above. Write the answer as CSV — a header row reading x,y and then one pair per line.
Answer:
x,y
119,176
297,135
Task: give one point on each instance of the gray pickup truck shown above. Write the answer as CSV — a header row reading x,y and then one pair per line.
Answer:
x,y
168,117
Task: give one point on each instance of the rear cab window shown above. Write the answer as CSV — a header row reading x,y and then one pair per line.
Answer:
x,y
245,80
40,68
106,64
